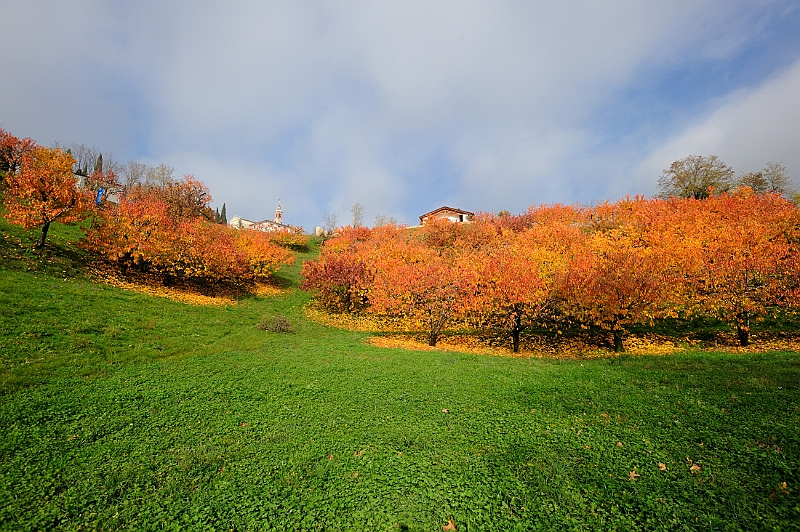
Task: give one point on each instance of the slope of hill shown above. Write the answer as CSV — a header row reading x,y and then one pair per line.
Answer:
x,y
124,410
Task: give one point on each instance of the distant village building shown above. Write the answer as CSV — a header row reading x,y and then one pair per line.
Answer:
x,y
447,213
275,225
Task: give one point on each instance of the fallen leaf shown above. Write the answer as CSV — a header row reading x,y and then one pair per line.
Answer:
x,y
446,411
586,447
449,526
662,466
242,424
358,453
330,457
633,474
619,444
695,468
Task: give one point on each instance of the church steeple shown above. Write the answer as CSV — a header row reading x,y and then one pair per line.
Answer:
x,y
279,213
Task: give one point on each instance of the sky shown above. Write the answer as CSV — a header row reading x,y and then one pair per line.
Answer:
x,y
405,106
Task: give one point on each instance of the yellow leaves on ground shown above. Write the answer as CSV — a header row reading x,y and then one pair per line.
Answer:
x,y
169,293
662,466
449,526
182,294
543,347
357,322
633,474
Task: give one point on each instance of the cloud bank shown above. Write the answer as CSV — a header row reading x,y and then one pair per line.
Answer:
x,y
406,106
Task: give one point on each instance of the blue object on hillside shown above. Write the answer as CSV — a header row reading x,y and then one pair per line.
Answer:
x,y
99,198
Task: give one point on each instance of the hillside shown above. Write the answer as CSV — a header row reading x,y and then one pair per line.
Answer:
x,y
123,410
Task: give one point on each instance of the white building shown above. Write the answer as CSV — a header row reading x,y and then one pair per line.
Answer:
x,y
268,226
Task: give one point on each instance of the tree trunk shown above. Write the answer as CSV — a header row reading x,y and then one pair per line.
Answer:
x,y
618,347
432,338
743,328
515,332
40,243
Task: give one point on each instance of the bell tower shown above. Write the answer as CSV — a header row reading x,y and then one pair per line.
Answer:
x,y
279,214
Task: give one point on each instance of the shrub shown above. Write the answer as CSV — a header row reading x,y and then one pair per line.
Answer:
x,y
277,324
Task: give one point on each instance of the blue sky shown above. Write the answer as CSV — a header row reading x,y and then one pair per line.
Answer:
x,y
407,106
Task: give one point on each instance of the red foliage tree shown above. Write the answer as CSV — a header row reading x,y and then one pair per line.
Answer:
x,y
11,151
338,276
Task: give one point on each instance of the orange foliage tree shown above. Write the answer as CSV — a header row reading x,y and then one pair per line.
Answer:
x,y
748,248
43,189
518,277
611,266
421,284
167,234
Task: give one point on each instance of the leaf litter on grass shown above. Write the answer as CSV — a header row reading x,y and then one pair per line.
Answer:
x,y
184,293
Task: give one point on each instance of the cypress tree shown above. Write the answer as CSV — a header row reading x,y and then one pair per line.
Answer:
x,y
223,215
98,166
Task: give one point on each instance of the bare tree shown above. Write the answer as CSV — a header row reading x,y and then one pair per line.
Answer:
x,y
694,176
85,157
382,219
330,222
772,178
134,173
357,211
111,164
159,176
777,179
755,180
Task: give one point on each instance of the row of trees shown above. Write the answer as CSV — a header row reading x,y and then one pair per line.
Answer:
x,y
611,266
169,230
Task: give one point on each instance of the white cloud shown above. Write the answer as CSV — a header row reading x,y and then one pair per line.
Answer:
x,y
400,106
747,130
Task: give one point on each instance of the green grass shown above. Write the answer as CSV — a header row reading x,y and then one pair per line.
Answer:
x,y
119,410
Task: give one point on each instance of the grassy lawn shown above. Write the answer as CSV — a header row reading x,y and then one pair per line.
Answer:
x,y
120,410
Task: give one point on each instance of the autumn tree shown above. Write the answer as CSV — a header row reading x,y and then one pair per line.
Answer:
x,y
338,277
136,233
164,231
517,277
620,275
43,189
748,255
615,284
694,176
420,284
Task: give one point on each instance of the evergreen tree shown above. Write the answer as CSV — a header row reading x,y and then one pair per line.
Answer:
x,y
223,215
98,166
